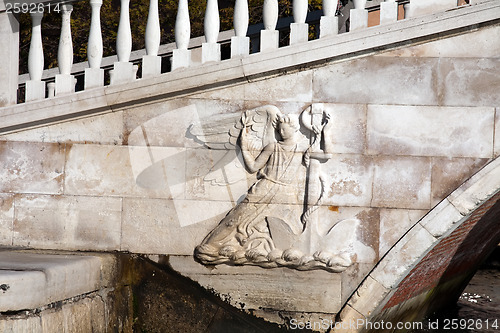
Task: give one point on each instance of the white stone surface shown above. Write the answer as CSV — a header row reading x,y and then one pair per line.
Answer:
x,y
369,294
478,188
474,44
210,52
393,224
240,46
104,171
299,33
358,81
388,12
35,90
151,66
105,129
358,19
406,253
211,23
9,34
94,77
65,84
496,145
32,167
181,58
68,222
159,226
430,131
95,48
6,219
328,26
35,280
441,219
252,287
425,7
152,34
123,72
402,182
269,40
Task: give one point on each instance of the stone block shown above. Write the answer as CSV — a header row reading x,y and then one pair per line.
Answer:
x,y
430,131
35,90
269,40
70,223
393,225
25,289
474,44
210,52
425,7
77,316
9,32
349,180
477,188
123,72
6,219
388,12
20,324
103,129
450,173
349,319
328,26
251,288
403,256
295,87
299,33
368,296
348,127
358,19
94,78
98,170
151,66
181,59
402,182
359,81
440,220
32,167
65,84
157,226
240,46
469,81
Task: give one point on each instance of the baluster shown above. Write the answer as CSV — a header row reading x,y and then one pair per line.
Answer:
x,y
240,44
65,82
329,22
299,30
151,62
35,87
358,16
388,11
181,57
269,37
210,51
94,76
123,70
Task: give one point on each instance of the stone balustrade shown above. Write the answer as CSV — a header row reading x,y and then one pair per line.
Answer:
x,y
125,70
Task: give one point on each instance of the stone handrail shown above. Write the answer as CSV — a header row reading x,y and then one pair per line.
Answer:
x,y
124,64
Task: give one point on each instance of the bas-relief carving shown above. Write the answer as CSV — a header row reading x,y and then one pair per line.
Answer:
x,y
277,223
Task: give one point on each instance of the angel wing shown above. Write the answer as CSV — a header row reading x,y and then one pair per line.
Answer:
x,y
222,132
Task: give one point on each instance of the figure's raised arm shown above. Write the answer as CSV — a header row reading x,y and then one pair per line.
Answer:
x,y
253,164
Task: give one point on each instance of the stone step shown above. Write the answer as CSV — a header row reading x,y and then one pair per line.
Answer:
x,y
30,280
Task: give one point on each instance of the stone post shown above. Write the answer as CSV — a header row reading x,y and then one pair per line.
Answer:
x,y
94,76
240,44
35,87
329,23
123,70
210,51
269,37
151,62
9,53
65,82
299,30
358,16
388,11
181,57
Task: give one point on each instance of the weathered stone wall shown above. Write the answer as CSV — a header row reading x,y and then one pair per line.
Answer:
x,y
409,126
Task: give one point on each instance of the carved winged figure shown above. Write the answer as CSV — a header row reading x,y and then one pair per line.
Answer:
x,y
260,230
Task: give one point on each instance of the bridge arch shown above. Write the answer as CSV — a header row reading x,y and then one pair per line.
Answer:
x,y
434,261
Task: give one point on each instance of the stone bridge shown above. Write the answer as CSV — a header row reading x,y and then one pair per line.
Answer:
x,y
330,184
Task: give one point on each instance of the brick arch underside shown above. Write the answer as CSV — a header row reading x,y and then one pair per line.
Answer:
x,y
440,277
